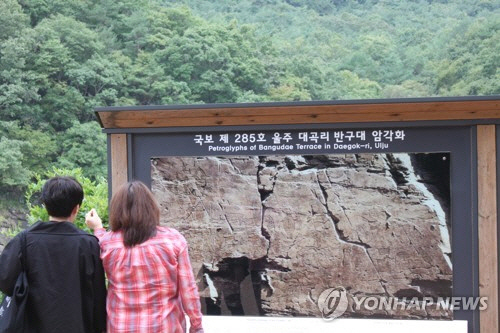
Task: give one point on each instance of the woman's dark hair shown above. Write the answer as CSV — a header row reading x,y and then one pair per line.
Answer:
x,y
134,211
60,195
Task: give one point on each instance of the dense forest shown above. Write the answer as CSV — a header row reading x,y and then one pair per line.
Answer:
x,y
59,59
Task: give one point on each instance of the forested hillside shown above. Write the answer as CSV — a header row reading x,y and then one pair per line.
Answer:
x,y
59,59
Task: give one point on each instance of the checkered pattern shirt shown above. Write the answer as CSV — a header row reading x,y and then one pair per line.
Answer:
x,y
151,285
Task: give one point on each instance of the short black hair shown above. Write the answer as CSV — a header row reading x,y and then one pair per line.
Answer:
x,y
60,195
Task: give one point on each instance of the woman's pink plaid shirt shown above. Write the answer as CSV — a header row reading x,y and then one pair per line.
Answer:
x,y
151,285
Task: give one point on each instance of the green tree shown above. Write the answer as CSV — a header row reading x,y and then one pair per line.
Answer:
x,y
39,149
13,21
59,46
351,86
148,83
291,88
472,67
409,88
19,84
218,63
377,58
39,10
84,146
12,172
98,78
113,15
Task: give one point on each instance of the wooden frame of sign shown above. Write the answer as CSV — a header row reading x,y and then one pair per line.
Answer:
x,y
482,112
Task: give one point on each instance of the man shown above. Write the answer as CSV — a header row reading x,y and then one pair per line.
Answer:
x,y
67,292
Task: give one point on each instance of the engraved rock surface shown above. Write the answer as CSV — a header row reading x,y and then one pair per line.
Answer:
x,y
267,234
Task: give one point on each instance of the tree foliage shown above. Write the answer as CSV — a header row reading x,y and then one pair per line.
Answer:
x,y
12,173
84,146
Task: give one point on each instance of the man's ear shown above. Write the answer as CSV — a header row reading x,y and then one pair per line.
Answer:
x,y
75,210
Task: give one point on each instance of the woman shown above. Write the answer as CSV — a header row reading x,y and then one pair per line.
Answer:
x,y
151,282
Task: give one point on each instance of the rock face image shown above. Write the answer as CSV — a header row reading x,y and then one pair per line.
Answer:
x,y
268,234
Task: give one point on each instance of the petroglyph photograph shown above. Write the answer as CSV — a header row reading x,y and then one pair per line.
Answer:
x,y
268,234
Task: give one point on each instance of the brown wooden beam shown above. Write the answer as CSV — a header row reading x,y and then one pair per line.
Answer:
x,y
300,114
119,164
487,226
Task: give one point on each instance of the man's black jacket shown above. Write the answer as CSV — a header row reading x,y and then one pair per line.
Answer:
x,y
67,291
